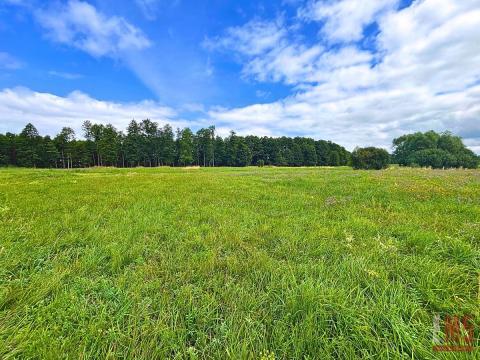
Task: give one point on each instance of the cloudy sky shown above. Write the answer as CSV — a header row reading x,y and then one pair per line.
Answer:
x,y
354,72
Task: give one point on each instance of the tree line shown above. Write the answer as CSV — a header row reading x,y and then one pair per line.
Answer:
x,y
429,149
145,143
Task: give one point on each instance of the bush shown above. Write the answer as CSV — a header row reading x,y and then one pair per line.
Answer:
x,y
370,158
261,163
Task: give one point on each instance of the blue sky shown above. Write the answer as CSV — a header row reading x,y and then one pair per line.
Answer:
x,y
355,72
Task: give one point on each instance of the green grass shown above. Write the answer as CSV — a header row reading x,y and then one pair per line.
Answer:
x,y
235,263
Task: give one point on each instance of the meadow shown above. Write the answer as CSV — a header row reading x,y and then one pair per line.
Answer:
x,y
252,263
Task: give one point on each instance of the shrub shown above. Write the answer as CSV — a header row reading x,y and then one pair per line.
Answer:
x,y
261,163
370,158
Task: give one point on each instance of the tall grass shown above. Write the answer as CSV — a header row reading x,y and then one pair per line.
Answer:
x,y
235,263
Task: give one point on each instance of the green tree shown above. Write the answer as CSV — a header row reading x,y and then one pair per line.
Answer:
x,y
49,153
4,150
81,154
309,152
370,158
28,150
150,144
220,152
133,144
334,158
323,152
90,145
167,146
435,158
296,158
255,145
185,147
237,152
93,133
63,143
108,145
243,154
433,150
206,146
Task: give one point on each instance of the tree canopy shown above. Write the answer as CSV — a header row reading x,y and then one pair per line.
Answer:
x,y
370,158
145,143
431,149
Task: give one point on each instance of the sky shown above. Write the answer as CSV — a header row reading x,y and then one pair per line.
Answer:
x,y
358,73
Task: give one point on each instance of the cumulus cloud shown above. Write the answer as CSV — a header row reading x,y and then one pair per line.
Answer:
x,y
362,119
291,63
424,75
254,38
432,43
269,52
345,20
50,113
80,25
265,50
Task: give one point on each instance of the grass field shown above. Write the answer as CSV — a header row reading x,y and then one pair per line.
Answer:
x,y
235,263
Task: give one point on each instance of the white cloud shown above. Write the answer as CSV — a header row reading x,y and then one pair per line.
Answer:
x,y
254,38
49,113
432,43
9,62
362,119
292,63
79,24
270,53
426,77
344,20
267,52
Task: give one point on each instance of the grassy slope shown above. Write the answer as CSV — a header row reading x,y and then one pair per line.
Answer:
x,y
155,263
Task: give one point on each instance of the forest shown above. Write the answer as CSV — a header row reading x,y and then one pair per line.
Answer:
x,y
147,144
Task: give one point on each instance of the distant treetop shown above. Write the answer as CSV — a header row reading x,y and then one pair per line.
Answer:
x,y
431,149
145,143
370,158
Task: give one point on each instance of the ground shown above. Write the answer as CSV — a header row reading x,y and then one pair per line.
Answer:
x,y
235,263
